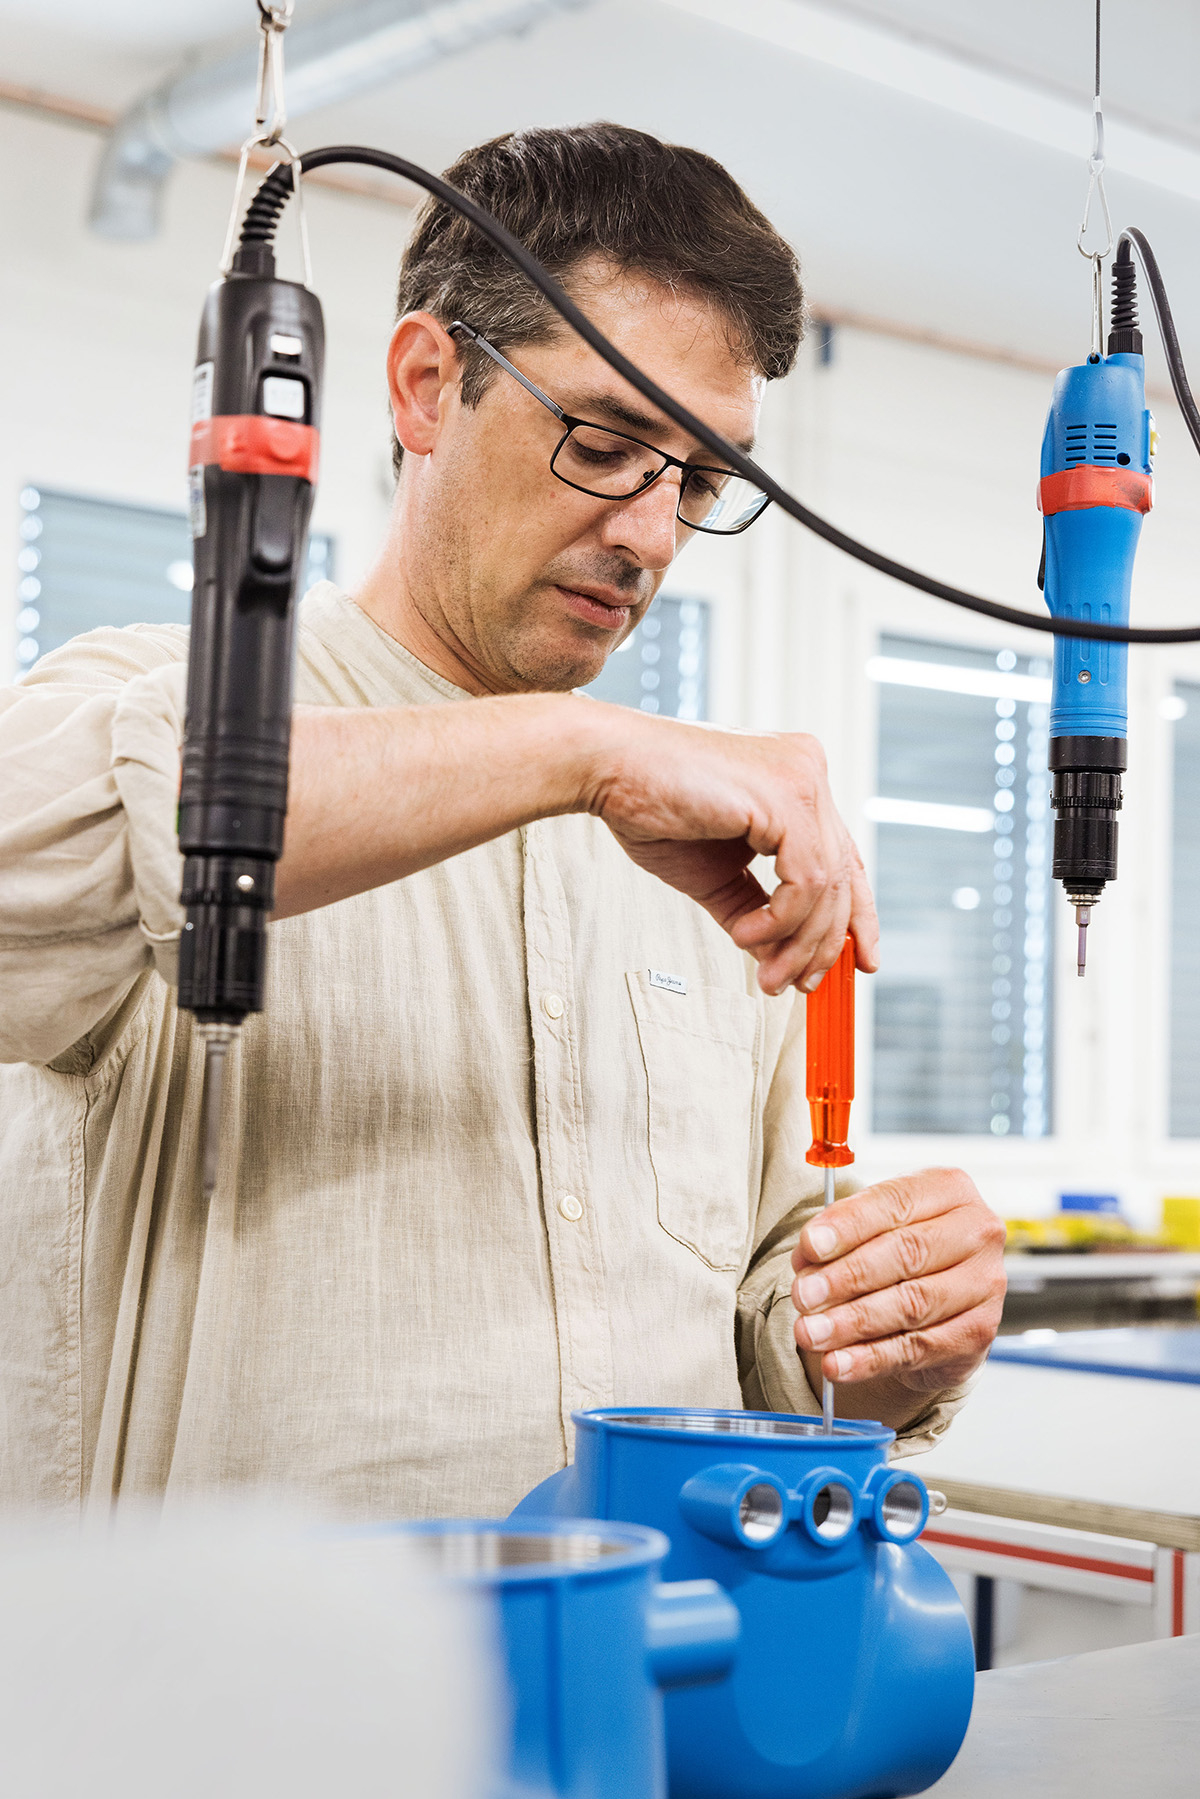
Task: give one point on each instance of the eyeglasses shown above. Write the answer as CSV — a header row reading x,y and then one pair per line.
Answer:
x,y
611,466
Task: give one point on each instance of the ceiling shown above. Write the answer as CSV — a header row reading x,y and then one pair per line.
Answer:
x,y
945,215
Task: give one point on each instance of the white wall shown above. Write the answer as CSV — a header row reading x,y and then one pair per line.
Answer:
x,y
929,455
99,340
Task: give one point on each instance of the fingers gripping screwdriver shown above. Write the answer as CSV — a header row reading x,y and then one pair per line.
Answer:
x,y
829,1084
1096,485
252,468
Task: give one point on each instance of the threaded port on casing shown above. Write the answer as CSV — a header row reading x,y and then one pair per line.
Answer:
x,y
897,1506
833,1512
902,1511
760,1513
737,1504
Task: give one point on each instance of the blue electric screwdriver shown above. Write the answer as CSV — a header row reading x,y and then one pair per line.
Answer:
x,y
1097,458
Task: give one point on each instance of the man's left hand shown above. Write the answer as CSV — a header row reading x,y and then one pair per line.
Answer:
x,y
899,1291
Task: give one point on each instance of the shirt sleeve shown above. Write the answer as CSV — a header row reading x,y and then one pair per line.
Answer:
x,y
89,864
769,1367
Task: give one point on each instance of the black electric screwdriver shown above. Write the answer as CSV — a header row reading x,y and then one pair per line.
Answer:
x,y
253,466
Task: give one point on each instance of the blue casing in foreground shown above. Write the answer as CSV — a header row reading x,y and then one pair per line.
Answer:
x,y
855,1671
588,1640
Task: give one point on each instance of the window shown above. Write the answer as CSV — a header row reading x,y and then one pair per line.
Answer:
x,y
962,810
85,563
663,665
1184,708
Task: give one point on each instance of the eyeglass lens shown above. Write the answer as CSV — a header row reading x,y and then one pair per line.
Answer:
x,y
606,463
611,466
715,501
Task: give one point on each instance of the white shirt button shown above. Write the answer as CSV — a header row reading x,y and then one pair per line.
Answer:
x,y
552,1005
570,1208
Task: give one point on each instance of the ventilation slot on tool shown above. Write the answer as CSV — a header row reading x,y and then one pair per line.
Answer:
x,y
1104,443
1077,444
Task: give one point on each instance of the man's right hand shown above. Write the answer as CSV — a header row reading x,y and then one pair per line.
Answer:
x,y
695,807
376,794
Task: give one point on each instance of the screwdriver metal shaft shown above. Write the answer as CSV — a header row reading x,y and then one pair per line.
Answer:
x,y
1083,918
827,1385
217,1040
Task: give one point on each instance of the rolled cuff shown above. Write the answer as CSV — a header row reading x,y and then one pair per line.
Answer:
x,y
923,1431
89,867
146,738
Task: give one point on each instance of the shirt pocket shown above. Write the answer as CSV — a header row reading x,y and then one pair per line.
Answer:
x,y
702,1050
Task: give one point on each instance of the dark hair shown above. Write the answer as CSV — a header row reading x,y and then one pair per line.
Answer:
x,y
659,209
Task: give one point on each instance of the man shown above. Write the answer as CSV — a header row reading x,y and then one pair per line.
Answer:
x,y
519,1130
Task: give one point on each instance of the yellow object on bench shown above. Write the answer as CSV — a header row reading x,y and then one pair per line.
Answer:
x,y
1181,1222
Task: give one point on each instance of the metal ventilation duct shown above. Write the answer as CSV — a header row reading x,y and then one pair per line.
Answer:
x,y
343,53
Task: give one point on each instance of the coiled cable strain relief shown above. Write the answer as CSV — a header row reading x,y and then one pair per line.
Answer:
x,y
262,214
1124,334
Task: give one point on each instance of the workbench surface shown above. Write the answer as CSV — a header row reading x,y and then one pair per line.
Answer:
x,y
1179,1264
1103,1726
1098,1451
1137,1350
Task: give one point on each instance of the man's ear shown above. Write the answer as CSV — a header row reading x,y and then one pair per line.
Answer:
x,y
423,375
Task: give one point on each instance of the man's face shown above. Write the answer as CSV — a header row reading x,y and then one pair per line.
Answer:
x,y
532,583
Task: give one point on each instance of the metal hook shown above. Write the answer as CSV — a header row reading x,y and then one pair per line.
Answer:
x,y
1097,349
1096,191
301,216
273,22
1096,188
274,17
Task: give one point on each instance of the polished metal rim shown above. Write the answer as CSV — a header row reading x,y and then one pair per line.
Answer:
x,y
724,1424
483,1551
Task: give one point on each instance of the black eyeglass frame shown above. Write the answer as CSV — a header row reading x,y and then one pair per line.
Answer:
x,y
687,469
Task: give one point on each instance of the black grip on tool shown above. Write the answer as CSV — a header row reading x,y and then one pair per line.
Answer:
x,y
1086,797
258,386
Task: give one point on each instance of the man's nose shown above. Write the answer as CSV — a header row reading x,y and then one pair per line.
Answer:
x,y
645,527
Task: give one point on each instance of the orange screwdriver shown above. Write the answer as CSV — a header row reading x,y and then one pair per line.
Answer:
x,y
829,1041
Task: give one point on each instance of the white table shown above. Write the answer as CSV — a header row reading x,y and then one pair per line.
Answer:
x,y
1082,1482
1104,1726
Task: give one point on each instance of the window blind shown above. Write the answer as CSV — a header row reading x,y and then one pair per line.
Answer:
x,y
662,666
963,1000
1185,948
85,563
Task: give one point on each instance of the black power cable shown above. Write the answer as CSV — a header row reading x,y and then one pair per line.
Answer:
x,y
1166,324
262,217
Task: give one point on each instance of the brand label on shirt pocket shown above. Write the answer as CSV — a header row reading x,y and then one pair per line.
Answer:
x,y
701,1049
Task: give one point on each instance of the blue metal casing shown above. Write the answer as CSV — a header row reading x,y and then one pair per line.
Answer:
x,y
855,1674
1097,417
589,1639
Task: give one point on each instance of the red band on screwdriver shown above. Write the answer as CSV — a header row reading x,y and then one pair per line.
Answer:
x,y
1077,489
254,445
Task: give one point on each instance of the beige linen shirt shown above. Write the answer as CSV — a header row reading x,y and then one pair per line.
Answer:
x,y
482,1164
